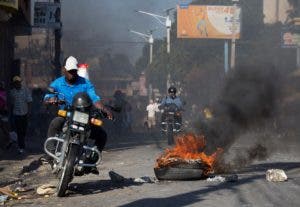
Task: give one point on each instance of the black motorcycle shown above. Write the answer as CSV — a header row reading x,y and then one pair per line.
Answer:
x,y
171,121
73,148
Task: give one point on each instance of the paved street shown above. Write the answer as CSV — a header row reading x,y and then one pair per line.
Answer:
x,y
135,157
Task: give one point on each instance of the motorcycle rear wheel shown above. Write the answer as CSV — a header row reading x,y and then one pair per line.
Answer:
x,y
67,170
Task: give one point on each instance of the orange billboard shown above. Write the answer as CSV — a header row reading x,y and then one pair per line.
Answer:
x,y
216,22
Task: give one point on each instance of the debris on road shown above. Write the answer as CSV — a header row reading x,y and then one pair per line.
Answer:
x,y
8,192
144,179
115,177
31,168
3,198
23,189
216,179
225,178
276,175
46,189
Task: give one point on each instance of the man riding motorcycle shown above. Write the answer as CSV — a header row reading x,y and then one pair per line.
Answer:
x,y
171,99
69,85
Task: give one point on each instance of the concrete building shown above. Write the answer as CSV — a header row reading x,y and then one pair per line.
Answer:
x,y
14,21
275,11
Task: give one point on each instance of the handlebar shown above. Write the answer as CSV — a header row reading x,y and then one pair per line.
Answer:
x,y
100,113
55,99
56,102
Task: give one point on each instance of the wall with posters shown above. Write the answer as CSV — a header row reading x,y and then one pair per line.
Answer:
x,y
46,15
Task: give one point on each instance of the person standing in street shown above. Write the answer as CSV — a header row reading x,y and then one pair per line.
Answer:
x,y
20,100
152,108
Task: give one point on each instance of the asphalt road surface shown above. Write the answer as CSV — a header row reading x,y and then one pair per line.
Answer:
x,y
135,157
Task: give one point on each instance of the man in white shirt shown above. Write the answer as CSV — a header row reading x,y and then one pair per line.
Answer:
x,y
152,108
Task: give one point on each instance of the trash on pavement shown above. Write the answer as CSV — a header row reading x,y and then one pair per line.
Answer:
x,y
3,198
115,177
23,189
7,191
144,179
216,179
276,175
46,189
224,178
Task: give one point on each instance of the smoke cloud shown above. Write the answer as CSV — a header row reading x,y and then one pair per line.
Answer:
x,y
245,115
103,25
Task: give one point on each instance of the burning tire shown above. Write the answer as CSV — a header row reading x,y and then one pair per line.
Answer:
x,y
186,160
173,173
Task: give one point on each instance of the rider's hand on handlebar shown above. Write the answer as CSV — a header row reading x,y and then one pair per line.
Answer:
x,y
52,100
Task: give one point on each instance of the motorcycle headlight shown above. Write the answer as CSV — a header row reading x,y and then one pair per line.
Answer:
x,y
81,117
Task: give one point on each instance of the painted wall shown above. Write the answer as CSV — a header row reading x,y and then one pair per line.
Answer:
x,y
275,10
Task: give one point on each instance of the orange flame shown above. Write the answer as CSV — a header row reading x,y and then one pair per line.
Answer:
x,y
188,147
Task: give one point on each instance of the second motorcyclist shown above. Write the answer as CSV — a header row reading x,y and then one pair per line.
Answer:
x,y
171,99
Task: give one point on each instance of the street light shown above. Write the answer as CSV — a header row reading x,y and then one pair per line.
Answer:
x,y
233,40
167,23
148,38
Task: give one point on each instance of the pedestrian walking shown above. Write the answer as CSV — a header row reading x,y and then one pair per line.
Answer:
x,y
152,108
20,100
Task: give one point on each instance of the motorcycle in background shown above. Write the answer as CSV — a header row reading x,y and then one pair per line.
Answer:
x,y
171,121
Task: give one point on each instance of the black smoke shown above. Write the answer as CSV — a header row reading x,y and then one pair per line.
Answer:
x,y
245,109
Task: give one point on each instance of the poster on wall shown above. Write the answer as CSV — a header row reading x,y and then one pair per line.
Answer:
x,y
202,21
290,40
46,15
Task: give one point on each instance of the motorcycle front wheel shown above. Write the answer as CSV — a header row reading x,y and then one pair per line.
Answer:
x,y
170,134
67,170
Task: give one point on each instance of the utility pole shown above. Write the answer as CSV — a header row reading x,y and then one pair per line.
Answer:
x,y
296,25
298,57
234,31
167,23
57,45
150,40
168,26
